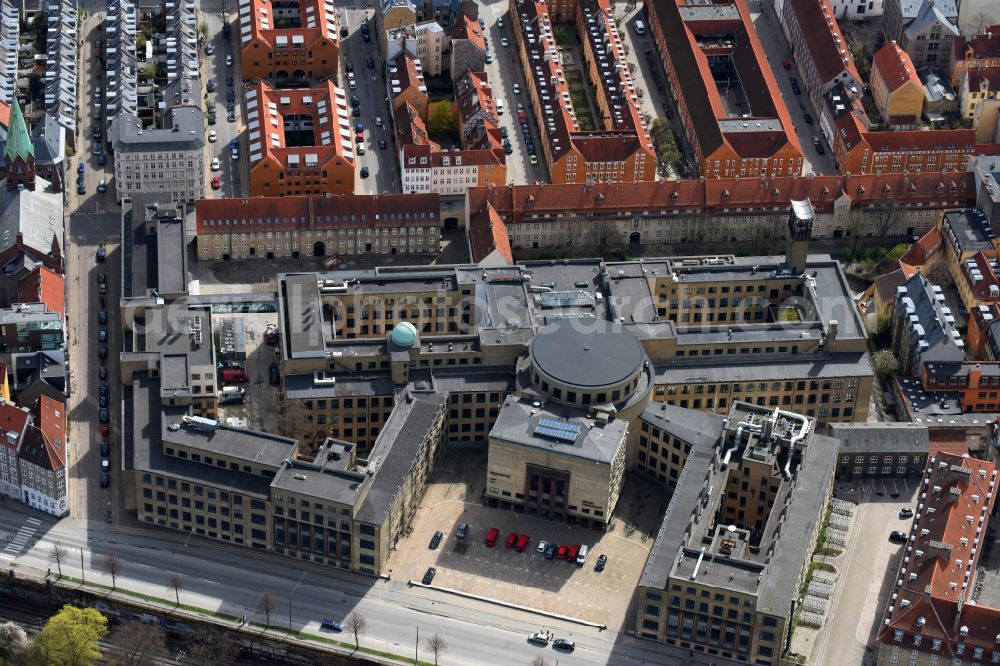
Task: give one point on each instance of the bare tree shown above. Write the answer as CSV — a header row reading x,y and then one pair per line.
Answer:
x,y
267,604
140,643
884,218
357,623
176,583
437,645
603,238
539,660
209,646
113,565
938,273
57,555
14,643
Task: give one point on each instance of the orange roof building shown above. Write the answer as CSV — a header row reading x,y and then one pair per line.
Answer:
x,y
609,148
289,39
300,141
14,422
406,84
749,138
320,226
896,88
488,239
975,52
929,609
43,285
42,458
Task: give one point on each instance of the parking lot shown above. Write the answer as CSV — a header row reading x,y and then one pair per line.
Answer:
x,y
865,571
261,397
453,496
232,173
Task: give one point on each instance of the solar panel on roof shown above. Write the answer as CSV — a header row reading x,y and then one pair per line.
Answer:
x,y
563,431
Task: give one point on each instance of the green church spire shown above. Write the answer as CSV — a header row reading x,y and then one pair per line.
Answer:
x,y
18,142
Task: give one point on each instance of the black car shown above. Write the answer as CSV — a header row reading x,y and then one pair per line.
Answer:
x,y
230,95
102,401
429,576
601,562
350,67
563,644
105,449
906,513
381,144
356,112
96,132
102,159
81,188
462,529
364,172
807,118
102,372
102,353
102,335
105,479
102,317
102,254
229,81
211,119
370,63
104,415
897,537
275,374
366,36
436,540
210,86
231,116
550,550
355,101
102,389
503,132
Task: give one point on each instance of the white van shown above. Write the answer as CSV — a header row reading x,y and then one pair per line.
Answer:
x,y
499,107
581,557
361,148
640,28
230,390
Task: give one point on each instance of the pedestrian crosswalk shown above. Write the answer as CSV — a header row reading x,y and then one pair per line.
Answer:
x,y
21,539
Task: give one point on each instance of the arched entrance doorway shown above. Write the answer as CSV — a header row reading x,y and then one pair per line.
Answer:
x,y
635,238
319,249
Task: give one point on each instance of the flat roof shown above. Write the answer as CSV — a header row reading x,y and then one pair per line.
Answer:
x,y
252,446
303,315
898,437
171,265
519,419
589,354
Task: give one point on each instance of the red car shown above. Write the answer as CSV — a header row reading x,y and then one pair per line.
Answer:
x,y
359,137
787,64
522,543
573,551
561,553
105,430
491,537
216,183
511,539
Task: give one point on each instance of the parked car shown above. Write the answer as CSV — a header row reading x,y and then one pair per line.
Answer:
x,y
787,64
379,122
102,372
102,353
105,430
563,644
209,49
102,401
491,537
539,637
522,543
512,539
329,624
370,63
210,86
906,513
229,60
542,545
581,555
436,540
504,42
102,254
551,550
381,144
102,389
897,537
81,188
461,531
102,335
215,164
818,145
429,576
807,118
216,183
355,101
500,22
572,552
104,415
80,169
234,376
105,479
602,561
212,137
561,552
102,186
105,449
364,172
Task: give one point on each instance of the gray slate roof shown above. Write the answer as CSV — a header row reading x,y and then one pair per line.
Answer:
x,y
38,215
888,437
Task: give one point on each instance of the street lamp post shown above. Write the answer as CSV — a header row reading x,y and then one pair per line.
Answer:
x,y
83,574
290,600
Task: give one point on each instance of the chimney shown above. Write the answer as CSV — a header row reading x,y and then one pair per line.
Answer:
x,y
927,594
800,223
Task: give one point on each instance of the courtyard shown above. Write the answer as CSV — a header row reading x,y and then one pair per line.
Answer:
x,y
454,495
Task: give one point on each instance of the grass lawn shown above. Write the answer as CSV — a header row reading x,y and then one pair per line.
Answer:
x,y
579,99
574,77
586,122
564,35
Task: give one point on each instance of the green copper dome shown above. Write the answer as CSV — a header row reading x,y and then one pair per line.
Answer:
x,y
18,142
404,334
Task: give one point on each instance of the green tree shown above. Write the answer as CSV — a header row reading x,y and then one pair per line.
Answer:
x,y
665,144
885,363
72,637
441,117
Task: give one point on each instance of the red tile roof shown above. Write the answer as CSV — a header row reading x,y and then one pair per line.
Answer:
x,y
480,121
325,105
404,71
318,20
990,76
13,419
979,46
316,212
488,234
697,91
467,27
50,423
895,67
924,249
4,114
936,580
42,285
920,140
410,128
930,189
823,38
